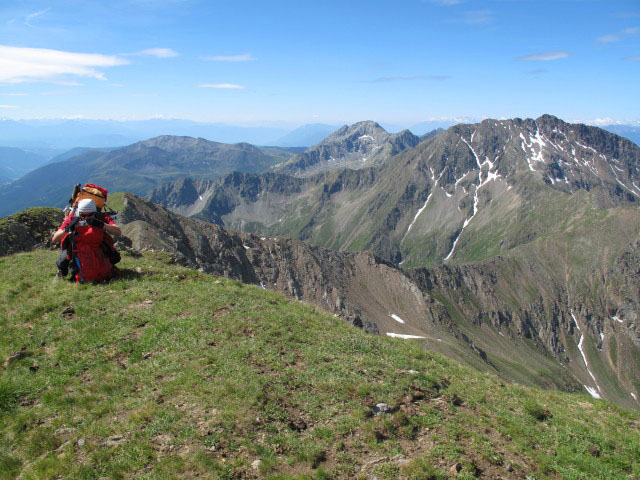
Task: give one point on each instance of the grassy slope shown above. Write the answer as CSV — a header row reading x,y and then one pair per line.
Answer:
x,y
170,373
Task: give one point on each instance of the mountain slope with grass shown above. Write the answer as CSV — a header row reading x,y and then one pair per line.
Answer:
x,y
168,372
136,168
566,304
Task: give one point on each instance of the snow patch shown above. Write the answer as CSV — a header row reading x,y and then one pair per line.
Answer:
x,y
618,180
245,247
396,318
615,317
592,391
417,215
365,136
634,396
584,356
400,335
490,176
200,197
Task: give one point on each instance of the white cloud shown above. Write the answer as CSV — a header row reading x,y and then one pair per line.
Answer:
x,y
31,16
18,64
616,37
635,58
13,94
117,85
229,86
247,57
608,39
604,121
9,106
544,56
159,52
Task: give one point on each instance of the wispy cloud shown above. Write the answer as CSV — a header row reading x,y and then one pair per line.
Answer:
x,y
13,94
229,86
247,57
34,15
18,64
478,17
538,71
609,38
159,52
115,85
408,79
617,37
9,106
544,56
635,58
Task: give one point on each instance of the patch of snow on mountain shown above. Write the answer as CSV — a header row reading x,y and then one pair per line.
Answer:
x,y
586,147
418,214
366,136
634,396
400,335
490,176
592,392
396,318
618,180
200,197
584,356
615,317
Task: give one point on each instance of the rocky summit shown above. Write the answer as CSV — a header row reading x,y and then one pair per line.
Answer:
x,y
356,146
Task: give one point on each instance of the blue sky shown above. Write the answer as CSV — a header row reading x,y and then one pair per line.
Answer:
x,y
323,61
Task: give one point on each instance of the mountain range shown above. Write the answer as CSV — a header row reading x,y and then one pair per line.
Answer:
x,y
511,245
137,168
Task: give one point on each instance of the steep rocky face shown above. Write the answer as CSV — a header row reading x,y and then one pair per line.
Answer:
x,y
356,286
356,146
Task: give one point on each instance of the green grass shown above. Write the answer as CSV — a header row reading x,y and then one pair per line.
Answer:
x,y
170,373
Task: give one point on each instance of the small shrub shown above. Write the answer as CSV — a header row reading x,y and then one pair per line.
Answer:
x,y
537,411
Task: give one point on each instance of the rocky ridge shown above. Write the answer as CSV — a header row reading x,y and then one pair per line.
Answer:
x,y
360,145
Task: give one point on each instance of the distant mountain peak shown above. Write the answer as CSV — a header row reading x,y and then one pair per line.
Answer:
x,y
356,146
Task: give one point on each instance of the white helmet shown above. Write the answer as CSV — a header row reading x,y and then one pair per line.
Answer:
x,y
86,205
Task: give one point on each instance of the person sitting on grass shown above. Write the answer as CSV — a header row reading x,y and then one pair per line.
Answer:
x,y
82,238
